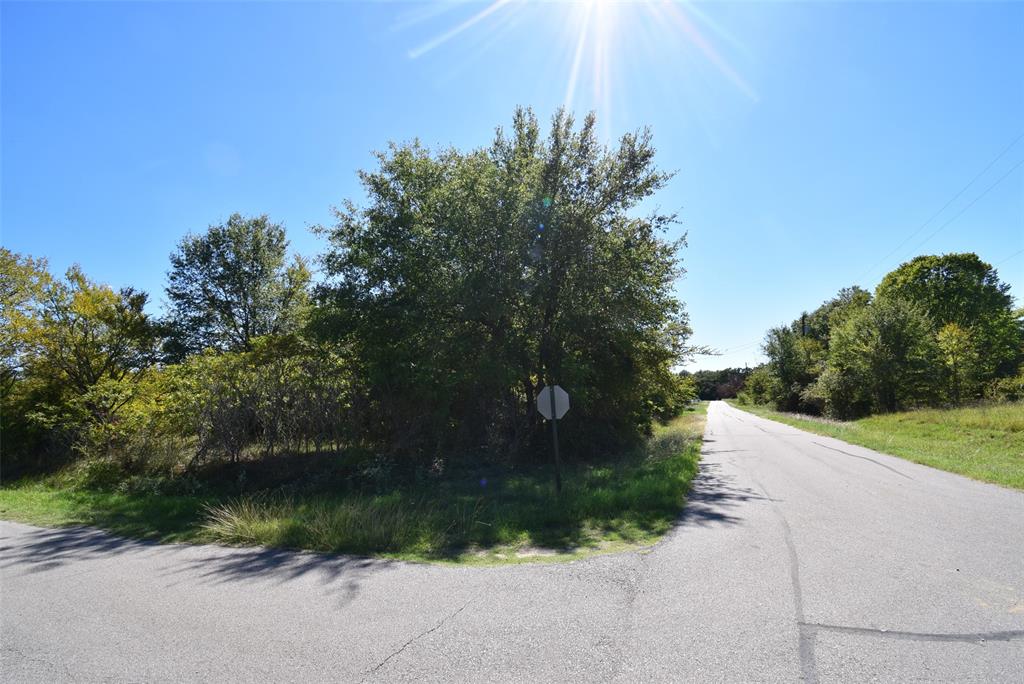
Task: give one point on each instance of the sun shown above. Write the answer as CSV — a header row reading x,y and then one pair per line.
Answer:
x,y
599,32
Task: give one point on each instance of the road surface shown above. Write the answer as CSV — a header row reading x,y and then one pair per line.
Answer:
x,y
797,557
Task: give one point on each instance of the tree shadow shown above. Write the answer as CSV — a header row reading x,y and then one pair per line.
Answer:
x,y
340,574
49,549
714,497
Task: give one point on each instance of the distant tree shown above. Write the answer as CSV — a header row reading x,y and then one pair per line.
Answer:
x,y
231,285
759,387
719,384
962,289
885,352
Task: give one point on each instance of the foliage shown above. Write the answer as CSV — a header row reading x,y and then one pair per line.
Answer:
x,y
759,387
959,354
888,353
471,279
1007,389
794,361
820,323
720,384
492,515
964,290
231,285
939,329
285,394
84,352
23,284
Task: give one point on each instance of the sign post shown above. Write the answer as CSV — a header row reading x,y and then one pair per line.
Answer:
x,y
553,403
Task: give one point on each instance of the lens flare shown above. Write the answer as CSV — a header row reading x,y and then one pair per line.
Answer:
x,y
610,38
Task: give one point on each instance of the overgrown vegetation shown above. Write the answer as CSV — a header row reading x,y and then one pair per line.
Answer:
x,y
466,282
982,442
938,331
479,514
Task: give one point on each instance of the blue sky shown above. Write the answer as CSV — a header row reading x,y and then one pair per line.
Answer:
x,y
809,140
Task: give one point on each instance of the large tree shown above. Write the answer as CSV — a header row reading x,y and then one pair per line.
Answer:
x,y
963,289
23,284
886,355
82,350
472,278
232,284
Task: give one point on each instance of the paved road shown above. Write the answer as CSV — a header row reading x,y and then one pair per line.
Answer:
x,y
798,556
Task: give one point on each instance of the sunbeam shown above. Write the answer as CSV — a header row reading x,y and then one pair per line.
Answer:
x,y
607,39
448,35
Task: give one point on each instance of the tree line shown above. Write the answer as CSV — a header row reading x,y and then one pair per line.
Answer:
x,y
938,330
462,284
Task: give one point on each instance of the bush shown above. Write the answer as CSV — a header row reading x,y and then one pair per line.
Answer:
x,y
100,474
840,395
1006,389
758,388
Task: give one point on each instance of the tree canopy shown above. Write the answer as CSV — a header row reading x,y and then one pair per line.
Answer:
x,y
939,329
233,284
471,278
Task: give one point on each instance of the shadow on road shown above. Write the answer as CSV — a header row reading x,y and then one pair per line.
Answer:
x,y
713,498
278,566
49,549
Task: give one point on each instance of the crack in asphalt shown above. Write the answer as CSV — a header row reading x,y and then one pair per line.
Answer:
x,y
968,637
419,636
863,458
805,638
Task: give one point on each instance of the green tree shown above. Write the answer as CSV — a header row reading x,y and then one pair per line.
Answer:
x,y
83,349
23,284
886,353
962,289
831,314
794,361
233,284
472,278
958,352
759,387
87,332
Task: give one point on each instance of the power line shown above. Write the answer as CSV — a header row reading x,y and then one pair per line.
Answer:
x,y
1017,253
944,206
742,346
970,204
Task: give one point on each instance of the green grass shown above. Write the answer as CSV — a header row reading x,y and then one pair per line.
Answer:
x,y
982,442
157,517
512,517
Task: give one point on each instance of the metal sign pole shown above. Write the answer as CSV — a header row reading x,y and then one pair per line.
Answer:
x,y
554,438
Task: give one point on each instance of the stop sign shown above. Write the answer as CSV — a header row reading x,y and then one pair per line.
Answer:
x,y
561,402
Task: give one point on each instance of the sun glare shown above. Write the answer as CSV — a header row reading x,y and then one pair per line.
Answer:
x,y
605,39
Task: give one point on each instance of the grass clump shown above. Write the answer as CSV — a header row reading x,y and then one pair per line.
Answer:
x,y
491,516
984,442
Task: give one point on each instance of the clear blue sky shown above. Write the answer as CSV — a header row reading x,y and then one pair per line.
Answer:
x,y
809,139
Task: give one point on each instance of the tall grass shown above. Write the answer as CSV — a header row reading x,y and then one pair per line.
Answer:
x,y
358,525
630,501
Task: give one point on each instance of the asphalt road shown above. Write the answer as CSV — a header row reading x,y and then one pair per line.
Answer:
x,y
798,556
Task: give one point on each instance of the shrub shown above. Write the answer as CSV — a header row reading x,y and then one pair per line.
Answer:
x,y
1007,389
